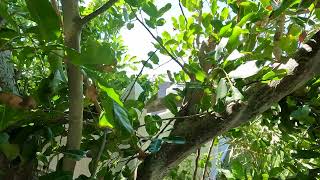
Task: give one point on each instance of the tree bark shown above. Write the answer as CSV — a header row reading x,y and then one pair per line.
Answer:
x,y
198,131
72,35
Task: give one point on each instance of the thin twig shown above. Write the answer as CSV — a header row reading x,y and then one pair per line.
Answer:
x,y
196,164
162,46
173,118
181,9
139,74
207,160
97,12
103,145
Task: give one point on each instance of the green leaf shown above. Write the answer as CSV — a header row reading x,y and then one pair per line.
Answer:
x,y
301,113
4,137
10,150
112,94
106,120
46,18
122,117
152,124
214,7
234,38
170,103
58,175
225,30
222,89
134,3
306,154
150,9
160,22
130,26
237,169
164,9
174,140
155,145
224,14
274,75
246,18
94,53
75,154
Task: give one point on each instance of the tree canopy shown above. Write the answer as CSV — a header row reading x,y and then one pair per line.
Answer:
x,y
249,72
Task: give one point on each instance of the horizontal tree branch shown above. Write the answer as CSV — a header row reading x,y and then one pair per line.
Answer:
x,y
198,131
97,12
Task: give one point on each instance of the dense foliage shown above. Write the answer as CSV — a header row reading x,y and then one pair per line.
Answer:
x,y
225,49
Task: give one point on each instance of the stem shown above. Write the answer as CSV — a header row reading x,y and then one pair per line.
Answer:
x,y
277,51
196,164
98,11
207,160
72,36
162,46
136,79
103,145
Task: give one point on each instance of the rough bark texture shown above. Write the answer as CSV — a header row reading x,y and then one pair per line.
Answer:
x,y
200,130
7,81
72,36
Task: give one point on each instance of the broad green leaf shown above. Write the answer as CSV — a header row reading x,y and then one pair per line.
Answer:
x,y
134,3
170,103
164,9
237,169
182,22
150,9
7,34
160,22
174,140
275,75
302,114
222,89
106,121
46,18
153,57
224,14
130,26
214,7
234,38
245,19
225,30
265,3
75,154
94,53
122,117
151,124
10,150
155,145
112,94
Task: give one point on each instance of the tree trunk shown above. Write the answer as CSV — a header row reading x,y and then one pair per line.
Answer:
x,y
200,130
72,36
7,80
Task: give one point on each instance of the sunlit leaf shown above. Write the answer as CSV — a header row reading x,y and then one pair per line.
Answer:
x,y
222,89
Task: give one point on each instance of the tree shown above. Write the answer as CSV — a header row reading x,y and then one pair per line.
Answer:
x,y
63,51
